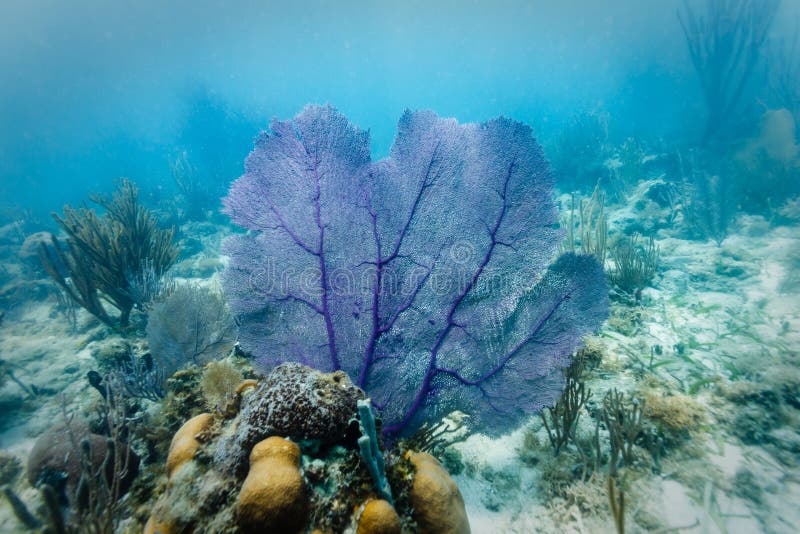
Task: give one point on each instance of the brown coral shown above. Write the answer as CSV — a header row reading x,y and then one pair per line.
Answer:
x,y
378,517
185,443
438,504
273,496
57,455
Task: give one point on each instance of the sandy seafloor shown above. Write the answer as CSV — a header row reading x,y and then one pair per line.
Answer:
x,y
732,310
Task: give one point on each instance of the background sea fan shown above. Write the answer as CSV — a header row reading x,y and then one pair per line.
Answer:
x,y
193,324
423,276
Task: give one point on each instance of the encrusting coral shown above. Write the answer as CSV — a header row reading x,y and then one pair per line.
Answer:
x,y
273,496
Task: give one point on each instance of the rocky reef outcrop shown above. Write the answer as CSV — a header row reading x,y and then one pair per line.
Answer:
x,y
289,462
295,401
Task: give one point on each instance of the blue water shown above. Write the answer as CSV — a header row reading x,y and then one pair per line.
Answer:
x,y
92,90
708,331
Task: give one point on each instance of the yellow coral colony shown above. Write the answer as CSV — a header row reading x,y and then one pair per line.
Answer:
x,y
184,443
273,496
378,517
438,504
182,449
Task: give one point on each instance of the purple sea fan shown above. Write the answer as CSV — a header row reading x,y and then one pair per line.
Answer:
x,y
424,276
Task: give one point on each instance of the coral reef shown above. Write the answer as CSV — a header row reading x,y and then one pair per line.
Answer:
x,y
139,376
29,251
591,226
90,472
764,411
438,437
195,500
700,421
184,399
709,205
301,484
616,500
195,193
52,518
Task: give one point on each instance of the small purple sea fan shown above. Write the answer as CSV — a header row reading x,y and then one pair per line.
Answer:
x,y
424,276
